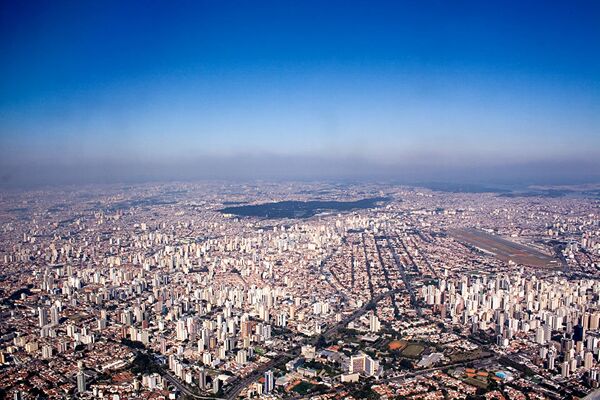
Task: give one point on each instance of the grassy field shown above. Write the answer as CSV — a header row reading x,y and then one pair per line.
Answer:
x,y
303,387
468,356
477,382
413,350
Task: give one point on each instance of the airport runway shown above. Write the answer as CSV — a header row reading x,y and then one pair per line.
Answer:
x,y
504,249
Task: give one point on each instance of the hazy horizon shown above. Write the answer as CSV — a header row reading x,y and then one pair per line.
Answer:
x,y
465,92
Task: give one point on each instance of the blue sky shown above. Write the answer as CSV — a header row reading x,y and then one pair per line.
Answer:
x,y
398,85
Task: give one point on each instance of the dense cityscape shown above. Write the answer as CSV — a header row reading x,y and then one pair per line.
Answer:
x,y
299,290
285,200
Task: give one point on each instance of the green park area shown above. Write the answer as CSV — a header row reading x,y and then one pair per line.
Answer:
x,y
413,350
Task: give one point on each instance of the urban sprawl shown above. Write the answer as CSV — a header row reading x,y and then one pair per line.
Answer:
x,y
299,290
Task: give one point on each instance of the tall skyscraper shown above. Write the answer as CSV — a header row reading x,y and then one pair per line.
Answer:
x,y
81,387
42,316
181,331
357,363
363,364
551,360
269,382
374,324
588,360
54,316
202,379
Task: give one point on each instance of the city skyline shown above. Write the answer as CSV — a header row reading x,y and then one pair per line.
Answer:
x,y
299,290
283,200
472,92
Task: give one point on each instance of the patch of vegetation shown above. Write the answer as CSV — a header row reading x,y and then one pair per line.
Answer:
x,y
364,392
144,364
478,383
413,350
317,366
134,344
303,387
468,356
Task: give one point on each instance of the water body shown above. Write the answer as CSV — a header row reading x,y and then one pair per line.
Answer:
x,y
301,209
